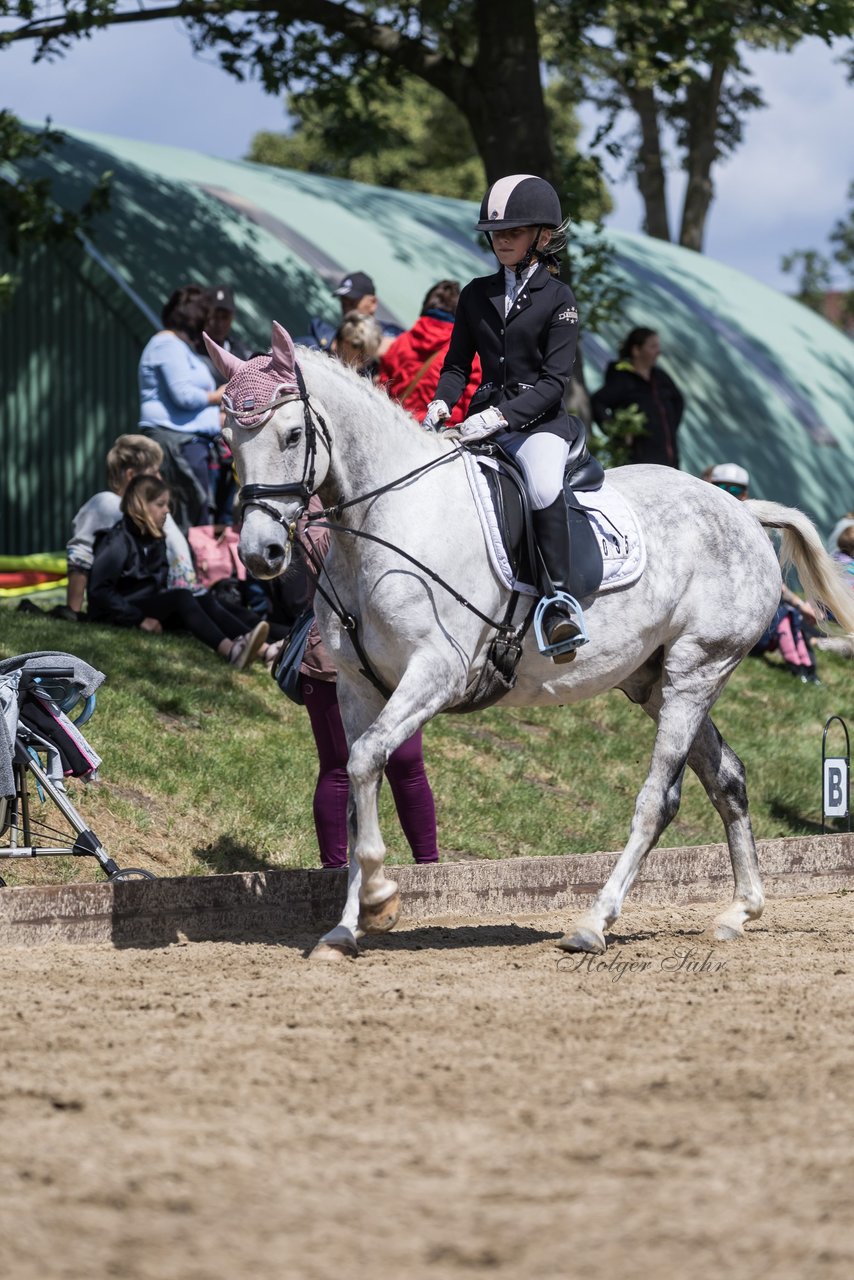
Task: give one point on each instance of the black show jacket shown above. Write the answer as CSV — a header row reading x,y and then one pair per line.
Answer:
x,y
527,358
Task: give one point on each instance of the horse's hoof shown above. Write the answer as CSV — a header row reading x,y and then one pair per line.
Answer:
x,y
381,917
728,932
332,953
589,940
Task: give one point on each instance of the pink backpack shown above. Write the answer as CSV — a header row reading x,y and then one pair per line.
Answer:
x,y
215,554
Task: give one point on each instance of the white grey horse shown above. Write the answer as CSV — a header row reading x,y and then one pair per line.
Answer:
x,y
670,641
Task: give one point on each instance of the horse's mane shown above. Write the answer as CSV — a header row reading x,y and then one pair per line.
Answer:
x,y
331,379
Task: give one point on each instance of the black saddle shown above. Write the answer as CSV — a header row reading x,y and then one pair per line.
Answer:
x,y
506,482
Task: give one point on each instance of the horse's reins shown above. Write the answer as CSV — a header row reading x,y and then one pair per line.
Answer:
x,y
256,495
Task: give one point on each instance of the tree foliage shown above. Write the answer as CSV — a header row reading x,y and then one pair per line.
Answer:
x,y
28,214
816,271
408,136
679,68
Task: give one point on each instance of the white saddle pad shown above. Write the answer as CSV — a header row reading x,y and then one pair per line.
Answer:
x,y
612,519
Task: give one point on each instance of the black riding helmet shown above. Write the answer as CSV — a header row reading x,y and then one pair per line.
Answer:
x,y
520,200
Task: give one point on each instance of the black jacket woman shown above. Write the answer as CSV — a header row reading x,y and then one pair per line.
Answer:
x,y
636,381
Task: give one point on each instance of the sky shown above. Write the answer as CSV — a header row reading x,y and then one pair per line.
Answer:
x,y
784,189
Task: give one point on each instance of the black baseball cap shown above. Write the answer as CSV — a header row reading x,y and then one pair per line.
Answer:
x,y
221,297
355,285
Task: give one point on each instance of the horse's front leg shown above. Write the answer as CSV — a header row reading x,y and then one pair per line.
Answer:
x,y
374,730
421,693
359,709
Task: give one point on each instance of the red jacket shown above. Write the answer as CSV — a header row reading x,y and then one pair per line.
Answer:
x,y
428,337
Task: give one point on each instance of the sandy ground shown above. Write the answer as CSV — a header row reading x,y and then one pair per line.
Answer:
x,y
459,1101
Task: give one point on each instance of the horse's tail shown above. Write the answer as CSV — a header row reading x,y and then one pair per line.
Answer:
x,y
822,580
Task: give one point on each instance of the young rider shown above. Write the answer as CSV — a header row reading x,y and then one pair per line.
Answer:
x,y
523,324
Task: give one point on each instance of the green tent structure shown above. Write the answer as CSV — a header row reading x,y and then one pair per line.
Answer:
x,y
767,383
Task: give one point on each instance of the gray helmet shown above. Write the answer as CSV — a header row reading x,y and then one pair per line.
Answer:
x,y
519,201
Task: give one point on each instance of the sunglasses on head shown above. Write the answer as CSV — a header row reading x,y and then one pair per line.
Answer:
x,y
735,489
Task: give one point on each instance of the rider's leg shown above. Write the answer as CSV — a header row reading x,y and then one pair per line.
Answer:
x,y
542,457
552,533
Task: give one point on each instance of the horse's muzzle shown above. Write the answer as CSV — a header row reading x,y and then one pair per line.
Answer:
x,y
264,546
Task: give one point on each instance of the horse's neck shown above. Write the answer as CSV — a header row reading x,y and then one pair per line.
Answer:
x,y
371,447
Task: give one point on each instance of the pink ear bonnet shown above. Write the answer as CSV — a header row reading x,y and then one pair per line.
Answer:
x,y
256,386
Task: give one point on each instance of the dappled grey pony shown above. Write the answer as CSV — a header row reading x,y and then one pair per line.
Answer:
x,y
710,587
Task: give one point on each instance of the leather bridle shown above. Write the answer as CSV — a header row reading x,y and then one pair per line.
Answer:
x,y
258,495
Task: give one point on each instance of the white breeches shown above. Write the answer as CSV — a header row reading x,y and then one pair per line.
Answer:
x,y
542,458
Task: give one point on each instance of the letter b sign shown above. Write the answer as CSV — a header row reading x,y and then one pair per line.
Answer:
x,y
836,788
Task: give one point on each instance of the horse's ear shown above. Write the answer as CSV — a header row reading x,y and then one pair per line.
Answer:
x,y
227,363
284,356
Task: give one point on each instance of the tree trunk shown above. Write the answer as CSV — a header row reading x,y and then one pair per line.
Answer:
x,y
702,151
503,93
649,165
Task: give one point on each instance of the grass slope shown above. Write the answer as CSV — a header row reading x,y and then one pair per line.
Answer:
x,y
208,770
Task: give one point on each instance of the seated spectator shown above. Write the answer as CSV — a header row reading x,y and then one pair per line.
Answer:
x,y
356,343
179,402
635,382
730,477
841,545
128,583
792,631
411,366
130,456
789,634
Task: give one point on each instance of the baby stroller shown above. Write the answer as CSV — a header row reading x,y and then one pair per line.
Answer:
x,y
39,742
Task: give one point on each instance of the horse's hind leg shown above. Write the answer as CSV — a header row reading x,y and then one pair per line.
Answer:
x,y
679,704
722,775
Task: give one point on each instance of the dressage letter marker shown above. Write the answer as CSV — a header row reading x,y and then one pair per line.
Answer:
x,y
835,787
835,778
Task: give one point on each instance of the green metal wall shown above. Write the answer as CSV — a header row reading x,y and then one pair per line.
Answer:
x,y
69,348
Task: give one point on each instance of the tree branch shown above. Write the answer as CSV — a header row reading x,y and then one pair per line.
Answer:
x,y
368,36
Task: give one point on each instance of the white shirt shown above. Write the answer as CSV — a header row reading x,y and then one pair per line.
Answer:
x,y
511,288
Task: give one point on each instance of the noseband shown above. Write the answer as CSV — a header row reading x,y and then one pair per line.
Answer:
x,y
257,495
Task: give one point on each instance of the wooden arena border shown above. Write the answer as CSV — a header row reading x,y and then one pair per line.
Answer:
x,y
280,904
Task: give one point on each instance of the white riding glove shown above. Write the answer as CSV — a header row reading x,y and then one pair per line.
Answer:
x,y
437,413
481,425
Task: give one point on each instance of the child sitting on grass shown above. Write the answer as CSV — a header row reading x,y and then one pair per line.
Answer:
x,y
131,455
128,583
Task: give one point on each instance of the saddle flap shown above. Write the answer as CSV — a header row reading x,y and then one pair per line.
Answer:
x,y
506,490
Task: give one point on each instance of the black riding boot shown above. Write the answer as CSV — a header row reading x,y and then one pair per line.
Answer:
x,y
552,533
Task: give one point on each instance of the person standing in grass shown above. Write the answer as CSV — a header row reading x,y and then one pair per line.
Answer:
x,y
405,770
634,381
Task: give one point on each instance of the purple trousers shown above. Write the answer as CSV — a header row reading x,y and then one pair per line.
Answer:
x,y
405,771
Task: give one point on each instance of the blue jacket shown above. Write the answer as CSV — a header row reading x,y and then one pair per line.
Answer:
x,y
174,385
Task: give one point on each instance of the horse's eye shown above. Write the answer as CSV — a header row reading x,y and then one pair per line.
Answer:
x,y
292,437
